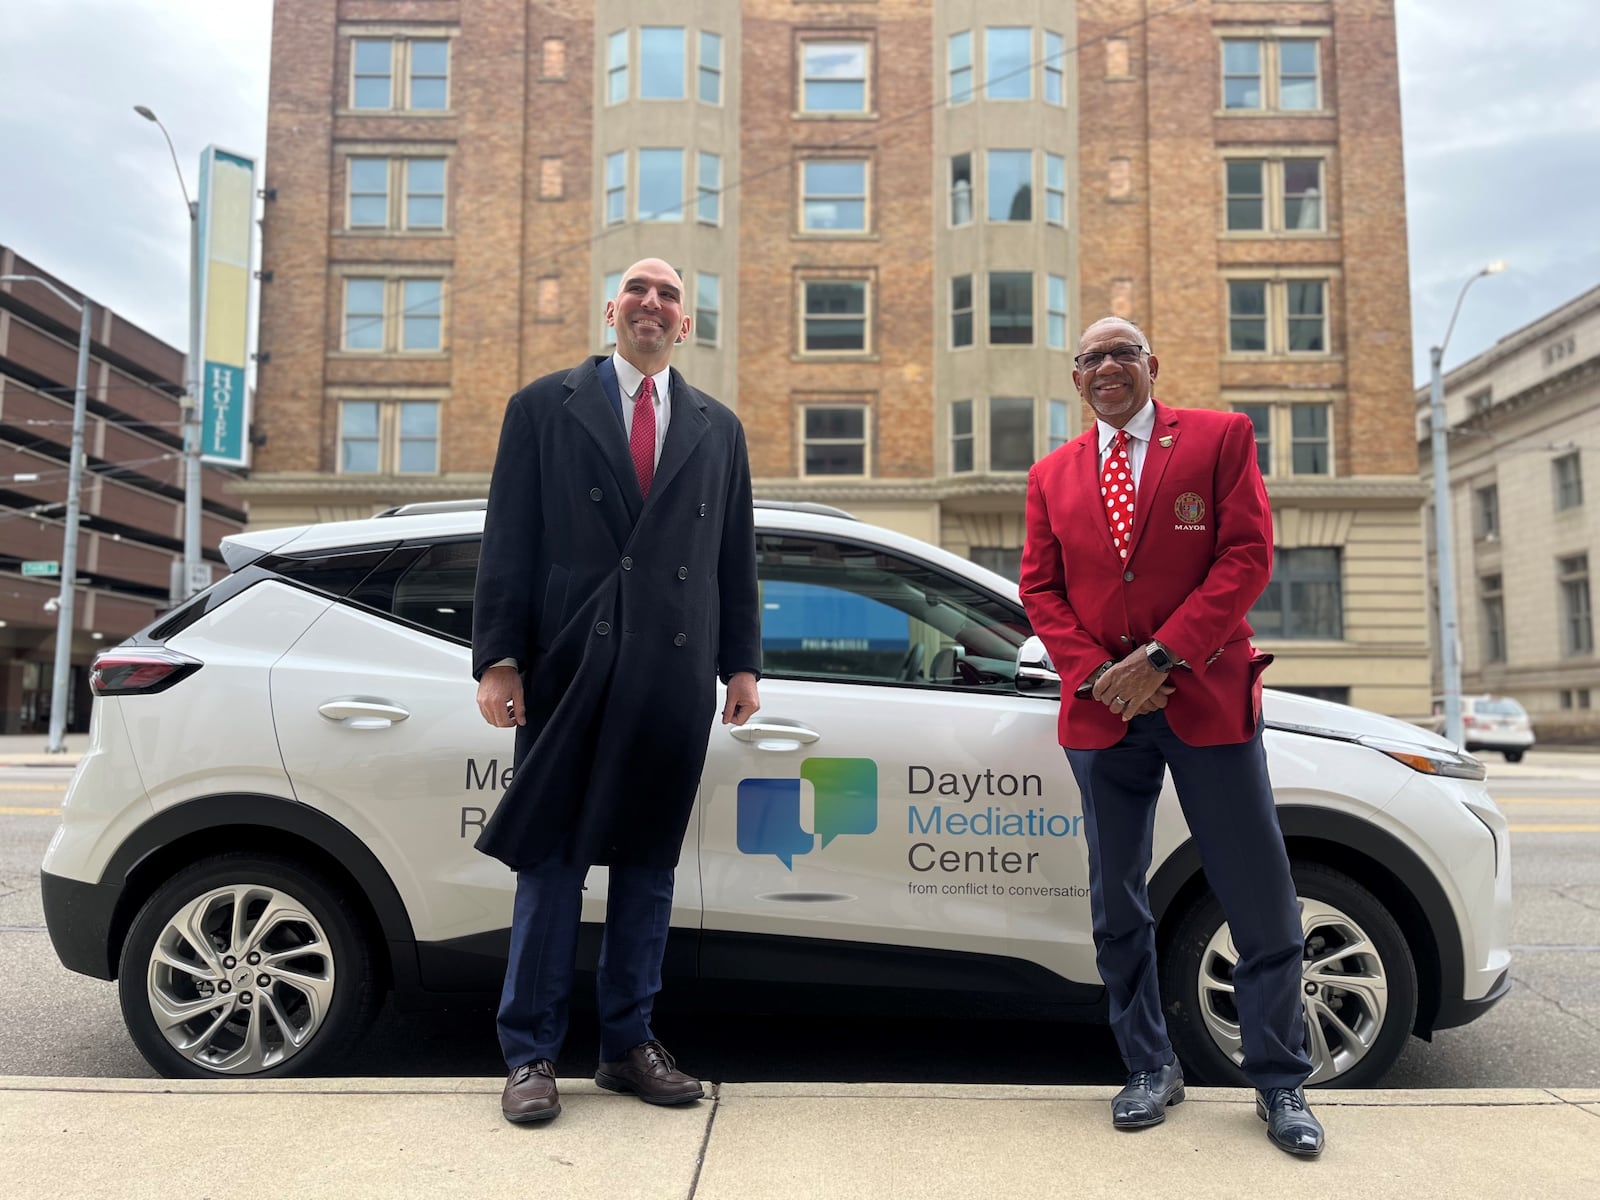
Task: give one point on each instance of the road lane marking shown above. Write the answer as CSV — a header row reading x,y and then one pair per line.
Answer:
x,y
39,812
1554,828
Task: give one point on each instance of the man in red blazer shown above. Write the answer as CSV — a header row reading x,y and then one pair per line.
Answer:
x,y
1149,539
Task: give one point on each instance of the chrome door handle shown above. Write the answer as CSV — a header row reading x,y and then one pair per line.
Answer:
x,y
774,735
355,713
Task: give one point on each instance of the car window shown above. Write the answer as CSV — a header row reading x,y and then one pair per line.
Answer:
x,y
1499,708
428,585
840,611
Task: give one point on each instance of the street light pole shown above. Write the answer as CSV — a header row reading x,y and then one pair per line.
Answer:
x,y
192,560
67,601
1443,534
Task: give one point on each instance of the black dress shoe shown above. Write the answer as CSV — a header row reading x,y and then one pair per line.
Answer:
x,y
1290,1125
530,1093
650,1073
1144,1101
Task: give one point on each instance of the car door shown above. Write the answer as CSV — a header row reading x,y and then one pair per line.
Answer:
x,y
896,791
378,720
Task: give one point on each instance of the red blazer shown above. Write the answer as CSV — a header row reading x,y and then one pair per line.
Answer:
x,y
1201,556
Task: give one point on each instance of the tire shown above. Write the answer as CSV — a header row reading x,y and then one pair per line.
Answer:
x,y
1513,755
303,937
1356,1032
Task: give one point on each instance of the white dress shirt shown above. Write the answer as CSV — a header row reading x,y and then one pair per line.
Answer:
x,y
1138,430
629,379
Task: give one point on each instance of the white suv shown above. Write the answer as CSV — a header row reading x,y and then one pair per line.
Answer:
x,y
274,824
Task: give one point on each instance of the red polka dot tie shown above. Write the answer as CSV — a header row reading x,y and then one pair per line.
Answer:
x,y
642,438
1116,489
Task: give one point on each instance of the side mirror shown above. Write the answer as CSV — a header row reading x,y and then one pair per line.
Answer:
x,y
1035,671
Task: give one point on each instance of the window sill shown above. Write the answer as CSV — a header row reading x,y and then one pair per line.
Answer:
x,y
392,355
427,114
1277,235
1274,113
801,115
834,235
1279,356
841,356
375,231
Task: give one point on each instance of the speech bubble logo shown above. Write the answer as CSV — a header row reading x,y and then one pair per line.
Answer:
x,y
769,819
846,795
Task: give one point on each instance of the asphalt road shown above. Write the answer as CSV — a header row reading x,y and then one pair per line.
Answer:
x,y
1546,1033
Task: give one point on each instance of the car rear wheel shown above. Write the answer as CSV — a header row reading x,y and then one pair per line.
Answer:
x,y
1513,755
245,965
1359,984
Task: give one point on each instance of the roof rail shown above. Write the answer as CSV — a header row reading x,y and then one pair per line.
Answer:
x,y
806,506
424,507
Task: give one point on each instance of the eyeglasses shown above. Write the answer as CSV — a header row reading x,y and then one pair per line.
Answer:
x,y
1125,355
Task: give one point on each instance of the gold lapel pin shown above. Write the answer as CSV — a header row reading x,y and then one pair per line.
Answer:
x,y
1166,441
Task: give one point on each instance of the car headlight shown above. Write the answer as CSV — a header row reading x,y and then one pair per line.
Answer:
x,y
1430,760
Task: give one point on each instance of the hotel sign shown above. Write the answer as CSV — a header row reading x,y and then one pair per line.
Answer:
x,y
226,233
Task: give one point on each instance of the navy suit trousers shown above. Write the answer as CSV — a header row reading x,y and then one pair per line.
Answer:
x,y
532,1021
1227,801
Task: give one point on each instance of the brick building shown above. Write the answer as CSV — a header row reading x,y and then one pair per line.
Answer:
x,y
131,499
1523,419
893,217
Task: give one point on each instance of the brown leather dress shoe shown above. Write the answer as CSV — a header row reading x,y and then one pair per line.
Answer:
x,y
530,1093
650,1073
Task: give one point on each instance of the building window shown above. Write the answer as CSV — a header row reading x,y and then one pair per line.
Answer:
x,y
1002,560
961,189
1010,308
961,457
616,187
369,193
1289,190
552,185
1055,308
660,185
1008,63
1480,401
363,314
617,67
707,307
1261,418
612,285
1310,441
1492,597
834,195
1577,621
835,316
835,441
1010,433
1567,474
1057,432
392,438
1055,189
553,59
1304,599
710,68
708,188
661,70
960,311
1275,76
1302,429
960,67
423,65
1278,316
1054,78
1486,512
1575,698
833,77
425,193
421,314
1010,184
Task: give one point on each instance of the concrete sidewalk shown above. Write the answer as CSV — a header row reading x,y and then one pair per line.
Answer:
x,y
28,750
355,1138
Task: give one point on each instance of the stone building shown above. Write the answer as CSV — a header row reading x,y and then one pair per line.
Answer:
x,y
893,217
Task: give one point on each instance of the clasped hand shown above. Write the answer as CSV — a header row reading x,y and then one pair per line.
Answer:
x,y
1133,687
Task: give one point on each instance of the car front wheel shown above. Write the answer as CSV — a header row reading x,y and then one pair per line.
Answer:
x,y
245,965
1358,984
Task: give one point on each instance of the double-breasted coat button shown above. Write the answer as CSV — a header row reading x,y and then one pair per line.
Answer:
x,y
702,510
1127,576
680,639
683,572
627,564
1123,638
594,493
603,628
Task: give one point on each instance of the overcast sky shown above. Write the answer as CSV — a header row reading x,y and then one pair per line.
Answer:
x,y
1501,105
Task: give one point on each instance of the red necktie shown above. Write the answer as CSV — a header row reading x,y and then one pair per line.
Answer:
x,y
1116,487
642,440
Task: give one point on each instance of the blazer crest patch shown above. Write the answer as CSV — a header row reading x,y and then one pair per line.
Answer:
x,y
1189,508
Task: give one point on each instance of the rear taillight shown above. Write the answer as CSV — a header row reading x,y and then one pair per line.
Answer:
x,y
139,672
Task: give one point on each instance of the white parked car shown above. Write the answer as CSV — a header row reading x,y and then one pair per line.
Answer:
x,y
274,824
1491,723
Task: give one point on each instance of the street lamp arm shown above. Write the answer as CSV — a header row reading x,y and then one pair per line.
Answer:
x,y
43,282
1493,268
149,115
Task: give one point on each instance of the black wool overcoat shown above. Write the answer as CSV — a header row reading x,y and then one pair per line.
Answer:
x,y
621,612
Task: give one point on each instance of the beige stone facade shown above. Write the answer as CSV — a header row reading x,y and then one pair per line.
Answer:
x,y
1524,428
893,218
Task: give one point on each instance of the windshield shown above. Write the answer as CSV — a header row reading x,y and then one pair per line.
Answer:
x,y
1499,708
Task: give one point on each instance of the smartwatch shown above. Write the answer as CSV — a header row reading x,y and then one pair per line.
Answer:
x,y
1159,658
